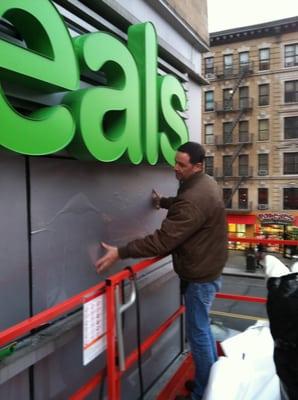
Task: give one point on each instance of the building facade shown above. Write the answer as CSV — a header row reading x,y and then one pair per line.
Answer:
x,y
250,125
88,66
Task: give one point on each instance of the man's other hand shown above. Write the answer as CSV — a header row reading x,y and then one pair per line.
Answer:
x,y
108,259
156,199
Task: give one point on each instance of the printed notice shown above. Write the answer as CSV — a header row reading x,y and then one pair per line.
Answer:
x,y
94,328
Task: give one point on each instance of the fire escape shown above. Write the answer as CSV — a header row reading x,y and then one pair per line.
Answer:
x,y
237,109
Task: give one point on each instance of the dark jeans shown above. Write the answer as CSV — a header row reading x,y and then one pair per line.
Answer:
x,y
198,301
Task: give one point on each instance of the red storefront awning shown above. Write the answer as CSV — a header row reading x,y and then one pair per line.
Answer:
x,y
242,219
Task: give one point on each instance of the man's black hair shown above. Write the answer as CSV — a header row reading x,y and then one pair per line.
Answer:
x,y
195,151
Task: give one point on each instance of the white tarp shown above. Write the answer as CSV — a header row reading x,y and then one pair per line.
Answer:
x,y
247,372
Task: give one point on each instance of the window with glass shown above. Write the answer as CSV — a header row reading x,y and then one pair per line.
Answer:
x,y
243,131
243,198
243,97
291,91
264,59
227,132
264,94
243,165
227,165
227,197
227,99
209,65
238,230
228,64
209,134
290,197
209,100
263,198
263,164
243,60
291,55
263,131
291,127
209,165
291,163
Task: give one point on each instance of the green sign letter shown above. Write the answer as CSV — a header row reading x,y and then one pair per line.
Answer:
x,y
48,61
107,118
143,45
173,129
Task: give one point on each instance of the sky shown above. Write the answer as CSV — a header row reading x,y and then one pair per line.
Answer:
x,y
226,14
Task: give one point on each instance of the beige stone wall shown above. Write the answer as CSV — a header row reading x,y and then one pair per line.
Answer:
x,y
194,12
276,111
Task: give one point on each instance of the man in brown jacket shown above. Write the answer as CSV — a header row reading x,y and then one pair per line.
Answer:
x,y
195,233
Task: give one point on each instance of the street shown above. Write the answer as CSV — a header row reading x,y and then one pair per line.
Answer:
x,y
238,314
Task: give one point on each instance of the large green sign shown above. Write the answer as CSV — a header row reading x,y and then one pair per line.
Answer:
x,y
135,115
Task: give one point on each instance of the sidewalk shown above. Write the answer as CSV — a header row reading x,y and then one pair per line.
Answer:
x,y
236,264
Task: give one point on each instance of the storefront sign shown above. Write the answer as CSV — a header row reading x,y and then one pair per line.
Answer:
x,y
276,219
135,115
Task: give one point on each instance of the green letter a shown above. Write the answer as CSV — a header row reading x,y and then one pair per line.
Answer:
x,y
107,118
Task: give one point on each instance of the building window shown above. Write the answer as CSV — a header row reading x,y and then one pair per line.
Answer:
x,y
209,165
243,132
209,101
227,197
228,64
243,60
290,199
263,164
227,132
291,55
243,98
291,91
209,134
243,165
264,59
263,129
290,163
227,166
209,65
243,198
291,128
227,99
263,199
264,95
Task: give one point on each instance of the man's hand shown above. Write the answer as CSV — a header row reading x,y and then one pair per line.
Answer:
x,y
108,259
156,199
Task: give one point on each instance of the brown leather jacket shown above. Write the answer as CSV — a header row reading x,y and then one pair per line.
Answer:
x,y
194,232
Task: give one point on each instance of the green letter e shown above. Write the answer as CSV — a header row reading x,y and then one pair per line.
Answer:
x,y
47,61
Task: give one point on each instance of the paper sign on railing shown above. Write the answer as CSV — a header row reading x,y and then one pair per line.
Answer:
x,y
94,328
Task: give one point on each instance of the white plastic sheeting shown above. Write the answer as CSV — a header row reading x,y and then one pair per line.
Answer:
x,y
247,372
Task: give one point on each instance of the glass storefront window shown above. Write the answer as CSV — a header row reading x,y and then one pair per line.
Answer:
x,y
232,228
238,230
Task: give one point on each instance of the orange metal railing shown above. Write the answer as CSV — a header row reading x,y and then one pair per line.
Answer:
x,y
109,287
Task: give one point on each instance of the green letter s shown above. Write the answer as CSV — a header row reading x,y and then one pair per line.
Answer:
x,y
174,131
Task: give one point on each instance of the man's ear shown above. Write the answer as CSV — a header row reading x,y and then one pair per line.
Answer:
x,y
198,167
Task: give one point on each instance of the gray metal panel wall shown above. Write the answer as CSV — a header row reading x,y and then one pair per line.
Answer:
x,y
16,388
62,373
77,204
14,278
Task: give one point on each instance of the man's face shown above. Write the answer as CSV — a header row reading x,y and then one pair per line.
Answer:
x,y
184,168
